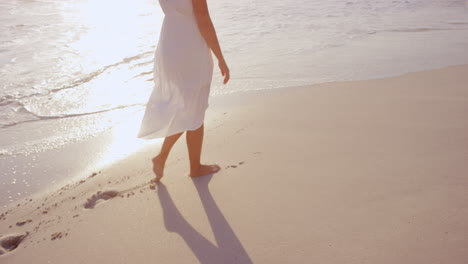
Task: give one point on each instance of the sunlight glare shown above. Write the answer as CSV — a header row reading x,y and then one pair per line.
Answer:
x,y
114,41
111,27
125,141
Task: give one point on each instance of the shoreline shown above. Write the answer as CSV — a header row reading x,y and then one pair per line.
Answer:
x,y
98,155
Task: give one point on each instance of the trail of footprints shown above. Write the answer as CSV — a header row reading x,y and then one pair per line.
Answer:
x,y
12,241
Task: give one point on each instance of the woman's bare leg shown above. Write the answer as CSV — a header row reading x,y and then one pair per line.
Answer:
x,y
160,160
194,145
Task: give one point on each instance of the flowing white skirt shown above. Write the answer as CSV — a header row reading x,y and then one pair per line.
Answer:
x,y
183,69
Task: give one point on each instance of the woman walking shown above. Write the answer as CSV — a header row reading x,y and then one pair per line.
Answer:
x,y
183,69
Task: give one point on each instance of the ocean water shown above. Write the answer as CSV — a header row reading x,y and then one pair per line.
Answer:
x,y
70,70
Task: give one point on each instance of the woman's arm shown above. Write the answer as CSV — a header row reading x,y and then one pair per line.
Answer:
x,y
207,30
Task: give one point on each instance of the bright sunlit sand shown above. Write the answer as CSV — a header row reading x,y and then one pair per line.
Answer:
x,y
124,142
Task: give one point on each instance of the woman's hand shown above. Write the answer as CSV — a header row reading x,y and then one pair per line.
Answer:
x,y
224,70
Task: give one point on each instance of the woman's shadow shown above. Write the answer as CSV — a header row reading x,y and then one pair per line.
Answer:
x,y
228,249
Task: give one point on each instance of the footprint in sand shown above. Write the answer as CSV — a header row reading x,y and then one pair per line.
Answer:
x,y
91,202
3,215
11,242
235,166
21,223
57,235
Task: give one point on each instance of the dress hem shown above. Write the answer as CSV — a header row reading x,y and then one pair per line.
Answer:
x,y
154,135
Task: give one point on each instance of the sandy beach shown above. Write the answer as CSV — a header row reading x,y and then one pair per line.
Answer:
x,y
368,171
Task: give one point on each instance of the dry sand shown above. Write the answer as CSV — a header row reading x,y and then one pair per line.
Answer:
x,y
351,172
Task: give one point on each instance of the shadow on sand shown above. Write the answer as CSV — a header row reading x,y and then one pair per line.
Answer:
x,y
228,250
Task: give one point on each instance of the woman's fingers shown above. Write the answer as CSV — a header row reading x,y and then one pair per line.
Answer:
x,y
224,71
226,77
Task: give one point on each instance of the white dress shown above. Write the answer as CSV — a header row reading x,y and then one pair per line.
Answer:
x,y
183,69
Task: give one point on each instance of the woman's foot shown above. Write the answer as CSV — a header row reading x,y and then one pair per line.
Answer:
x,y
205,170
158,168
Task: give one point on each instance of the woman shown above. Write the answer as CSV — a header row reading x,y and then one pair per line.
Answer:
x,y
183,69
